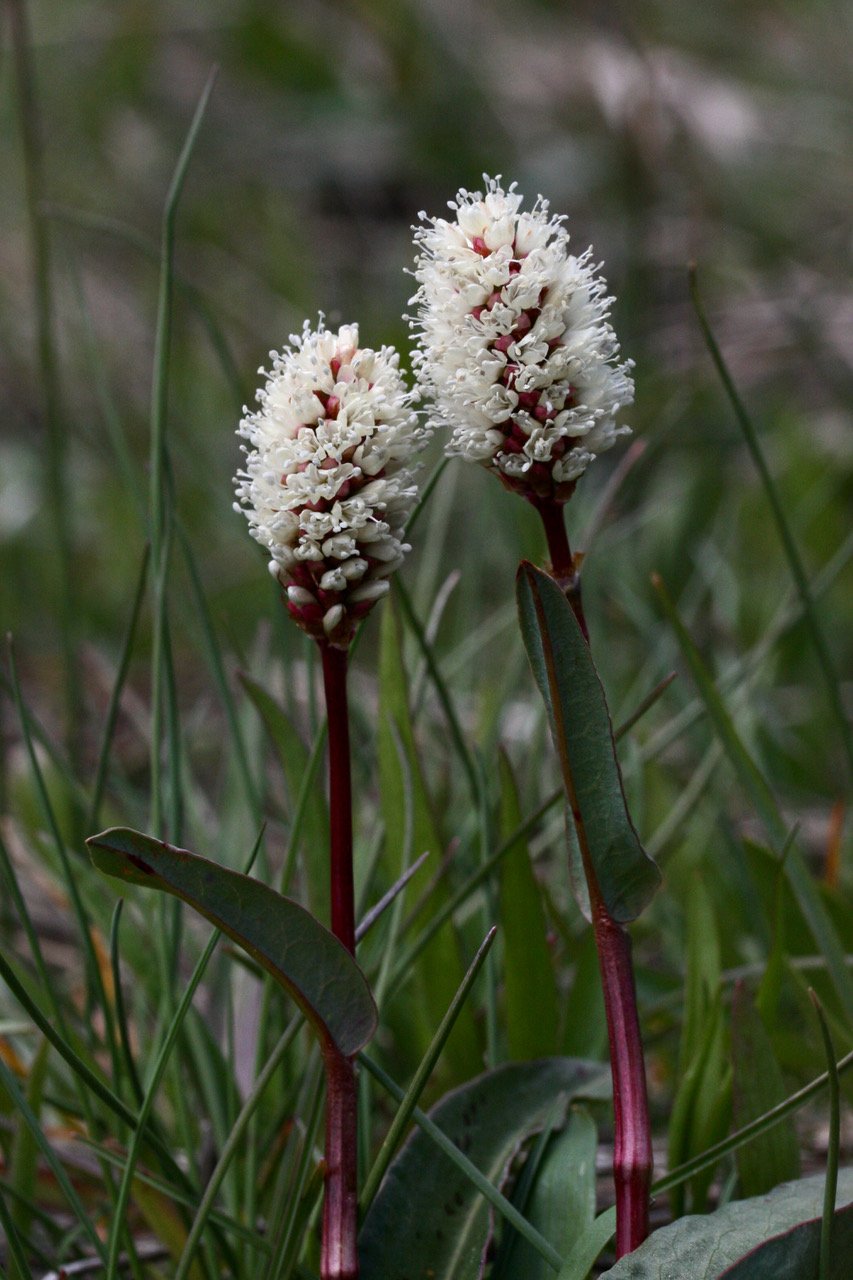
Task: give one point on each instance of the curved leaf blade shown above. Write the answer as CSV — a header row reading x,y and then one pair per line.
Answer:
x,y
285,939
771,1237
428,1219
624,875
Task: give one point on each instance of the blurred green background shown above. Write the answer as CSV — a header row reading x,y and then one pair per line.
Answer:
x,y
719,133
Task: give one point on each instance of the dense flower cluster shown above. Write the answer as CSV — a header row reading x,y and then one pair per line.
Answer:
x,y
515,347
327,484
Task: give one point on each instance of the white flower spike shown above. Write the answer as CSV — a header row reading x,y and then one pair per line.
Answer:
x,y
515,346
328,486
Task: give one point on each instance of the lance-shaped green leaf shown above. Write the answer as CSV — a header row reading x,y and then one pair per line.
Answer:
x,y
771,1237
429,1219
285,939
617,868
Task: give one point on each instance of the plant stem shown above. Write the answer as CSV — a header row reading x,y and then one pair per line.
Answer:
x,y
340,795
632,1154
563,568
632,1150
339,1253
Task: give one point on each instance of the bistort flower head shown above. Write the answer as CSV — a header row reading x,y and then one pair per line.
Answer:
x,y
328,482
515,347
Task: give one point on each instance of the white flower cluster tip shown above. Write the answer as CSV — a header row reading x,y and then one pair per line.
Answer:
x,y
515,347
327,483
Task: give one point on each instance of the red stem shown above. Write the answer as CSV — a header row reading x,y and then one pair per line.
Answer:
x,y
563,568
632,1150
340,795
339,1253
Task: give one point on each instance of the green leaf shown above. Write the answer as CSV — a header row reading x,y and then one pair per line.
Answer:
x,y
562,1203
617,867
529,981
308,961
758,1086
428,1219
771,1237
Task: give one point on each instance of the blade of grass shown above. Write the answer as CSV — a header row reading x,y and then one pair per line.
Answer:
x,y
421,1076
795,563
213,651
294,1171
205,1206
370,917
491,911
13,1243
89,1082
120,1207
159,508
184,1198
56,464
121,1017
507,1210
752,1130
750,777
425,494
24,1110
522,831
109,413
742,669
23,1154
441,689
90,221
92,822
380,985
94,979
24,918
834,1142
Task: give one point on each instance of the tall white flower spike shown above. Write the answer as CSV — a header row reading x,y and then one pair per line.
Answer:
x,y
327,485
515,346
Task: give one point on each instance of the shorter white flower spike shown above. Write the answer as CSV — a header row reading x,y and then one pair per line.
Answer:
x,y
327,485
515,346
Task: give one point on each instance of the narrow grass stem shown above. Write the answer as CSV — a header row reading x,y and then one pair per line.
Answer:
x,y
780,517
339,1255
56,473
632,1156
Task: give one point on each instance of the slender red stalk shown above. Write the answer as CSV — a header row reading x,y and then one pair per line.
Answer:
x,y
339,1249
340,795
632,1151
563,567
632,1147
339,1252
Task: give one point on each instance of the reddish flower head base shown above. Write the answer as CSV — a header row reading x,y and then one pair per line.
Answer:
x,y
515,347
327,485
